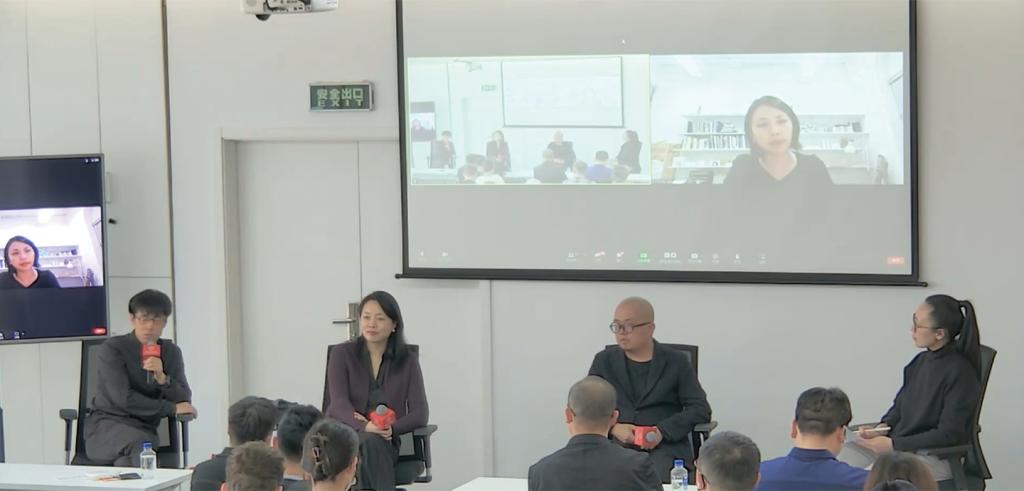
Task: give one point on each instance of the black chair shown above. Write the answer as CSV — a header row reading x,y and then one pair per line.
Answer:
x,y
702,431
173,455
2,457
414,455
966,462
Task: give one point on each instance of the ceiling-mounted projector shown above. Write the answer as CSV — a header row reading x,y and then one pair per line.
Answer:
x,y
263,9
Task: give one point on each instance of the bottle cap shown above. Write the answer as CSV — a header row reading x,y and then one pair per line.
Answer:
x,y
679,463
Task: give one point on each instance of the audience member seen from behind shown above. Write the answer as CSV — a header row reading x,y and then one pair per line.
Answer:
x,y
490,174
250,419
591,460
377,369
629,152
818,431
579,173
601,170
468,173
728,462
23,270
941,385
656,388
254,466
549,171
330,457
291,431
893,470
497,150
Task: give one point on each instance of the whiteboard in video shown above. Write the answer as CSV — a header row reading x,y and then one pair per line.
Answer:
x,y
585,91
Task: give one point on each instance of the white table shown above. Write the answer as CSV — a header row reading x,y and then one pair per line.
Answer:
x,y
31,477
506,484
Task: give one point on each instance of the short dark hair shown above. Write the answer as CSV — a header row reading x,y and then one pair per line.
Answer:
x,y
397,348
151,302
446,133
601,155
24,240
900,466
254,466
292,428
775,102
730,461
592,400
328,449
251,419
821,411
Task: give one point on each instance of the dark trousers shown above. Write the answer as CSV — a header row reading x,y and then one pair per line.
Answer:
x,y
377,460
663,457
110,441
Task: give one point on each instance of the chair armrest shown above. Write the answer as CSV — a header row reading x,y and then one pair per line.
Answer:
x,y
857,426
184,418
68,415
945,453
424,431
705,427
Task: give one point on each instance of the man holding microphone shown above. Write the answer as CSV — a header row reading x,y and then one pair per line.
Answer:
x,y
140,379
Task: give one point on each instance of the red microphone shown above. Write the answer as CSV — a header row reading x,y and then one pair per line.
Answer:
x,y
382,417
150,351
642,434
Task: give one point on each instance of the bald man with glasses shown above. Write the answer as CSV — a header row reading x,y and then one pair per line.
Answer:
x,y
655,387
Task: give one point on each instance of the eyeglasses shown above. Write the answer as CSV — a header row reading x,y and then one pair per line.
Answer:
x,y
916,326
151,318
624,328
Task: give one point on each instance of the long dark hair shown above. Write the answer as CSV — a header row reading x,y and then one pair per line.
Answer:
x,y
891,467
957,318
23,240
771,101
328,450
397,348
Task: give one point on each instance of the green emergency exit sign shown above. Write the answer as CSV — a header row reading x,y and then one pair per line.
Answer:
x,y
356,96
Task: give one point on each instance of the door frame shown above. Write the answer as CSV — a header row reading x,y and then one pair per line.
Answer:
x,y
229,138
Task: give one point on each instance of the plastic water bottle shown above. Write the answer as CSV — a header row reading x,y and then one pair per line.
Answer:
x,y
147,461
679,477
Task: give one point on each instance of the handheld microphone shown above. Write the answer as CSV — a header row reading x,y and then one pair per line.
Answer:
x,y
382,417
644,434
150,351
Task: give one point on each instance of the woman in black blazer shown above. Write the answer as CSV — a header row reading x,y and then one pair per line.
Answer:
x,y
497,150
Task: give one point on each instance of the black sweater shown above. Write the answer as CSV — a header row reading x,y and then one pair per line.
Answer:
x,y
935,407
122,391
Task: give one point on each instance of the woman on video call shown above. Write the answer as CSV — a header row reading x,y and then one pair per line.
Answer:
x,y
776,198
23,271
941,385
377,368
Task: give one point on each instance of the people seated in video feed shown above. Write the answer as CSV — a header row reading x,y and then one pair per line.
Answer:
x,y
629,152
442,153
550,171
23,270
562,150
497,150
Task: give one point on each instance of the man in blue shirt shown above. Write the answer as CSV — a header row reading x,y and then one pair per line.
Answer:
x,y
818,432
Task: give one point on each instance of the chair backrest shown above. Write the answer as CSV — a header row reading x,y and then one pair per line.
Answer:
x,y
166,447
688,349
413,348
976,463
2,458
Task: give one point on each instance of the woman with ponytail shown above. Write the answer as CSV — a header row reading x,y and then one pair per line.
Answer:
x,y
330,455
936,405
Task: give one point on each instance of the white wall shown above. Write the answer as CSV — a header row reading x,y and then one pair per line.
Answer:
x,y
84,77
231,75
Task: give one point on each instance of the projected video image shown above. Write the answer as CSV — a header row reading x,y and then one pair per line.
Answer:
x,y
641,119
51,248
724,118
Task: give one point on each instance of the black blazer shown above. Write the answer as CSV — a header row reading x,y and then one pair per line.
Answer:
x,y
563,151
209,475
593,462
494,150
672,400
442,156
